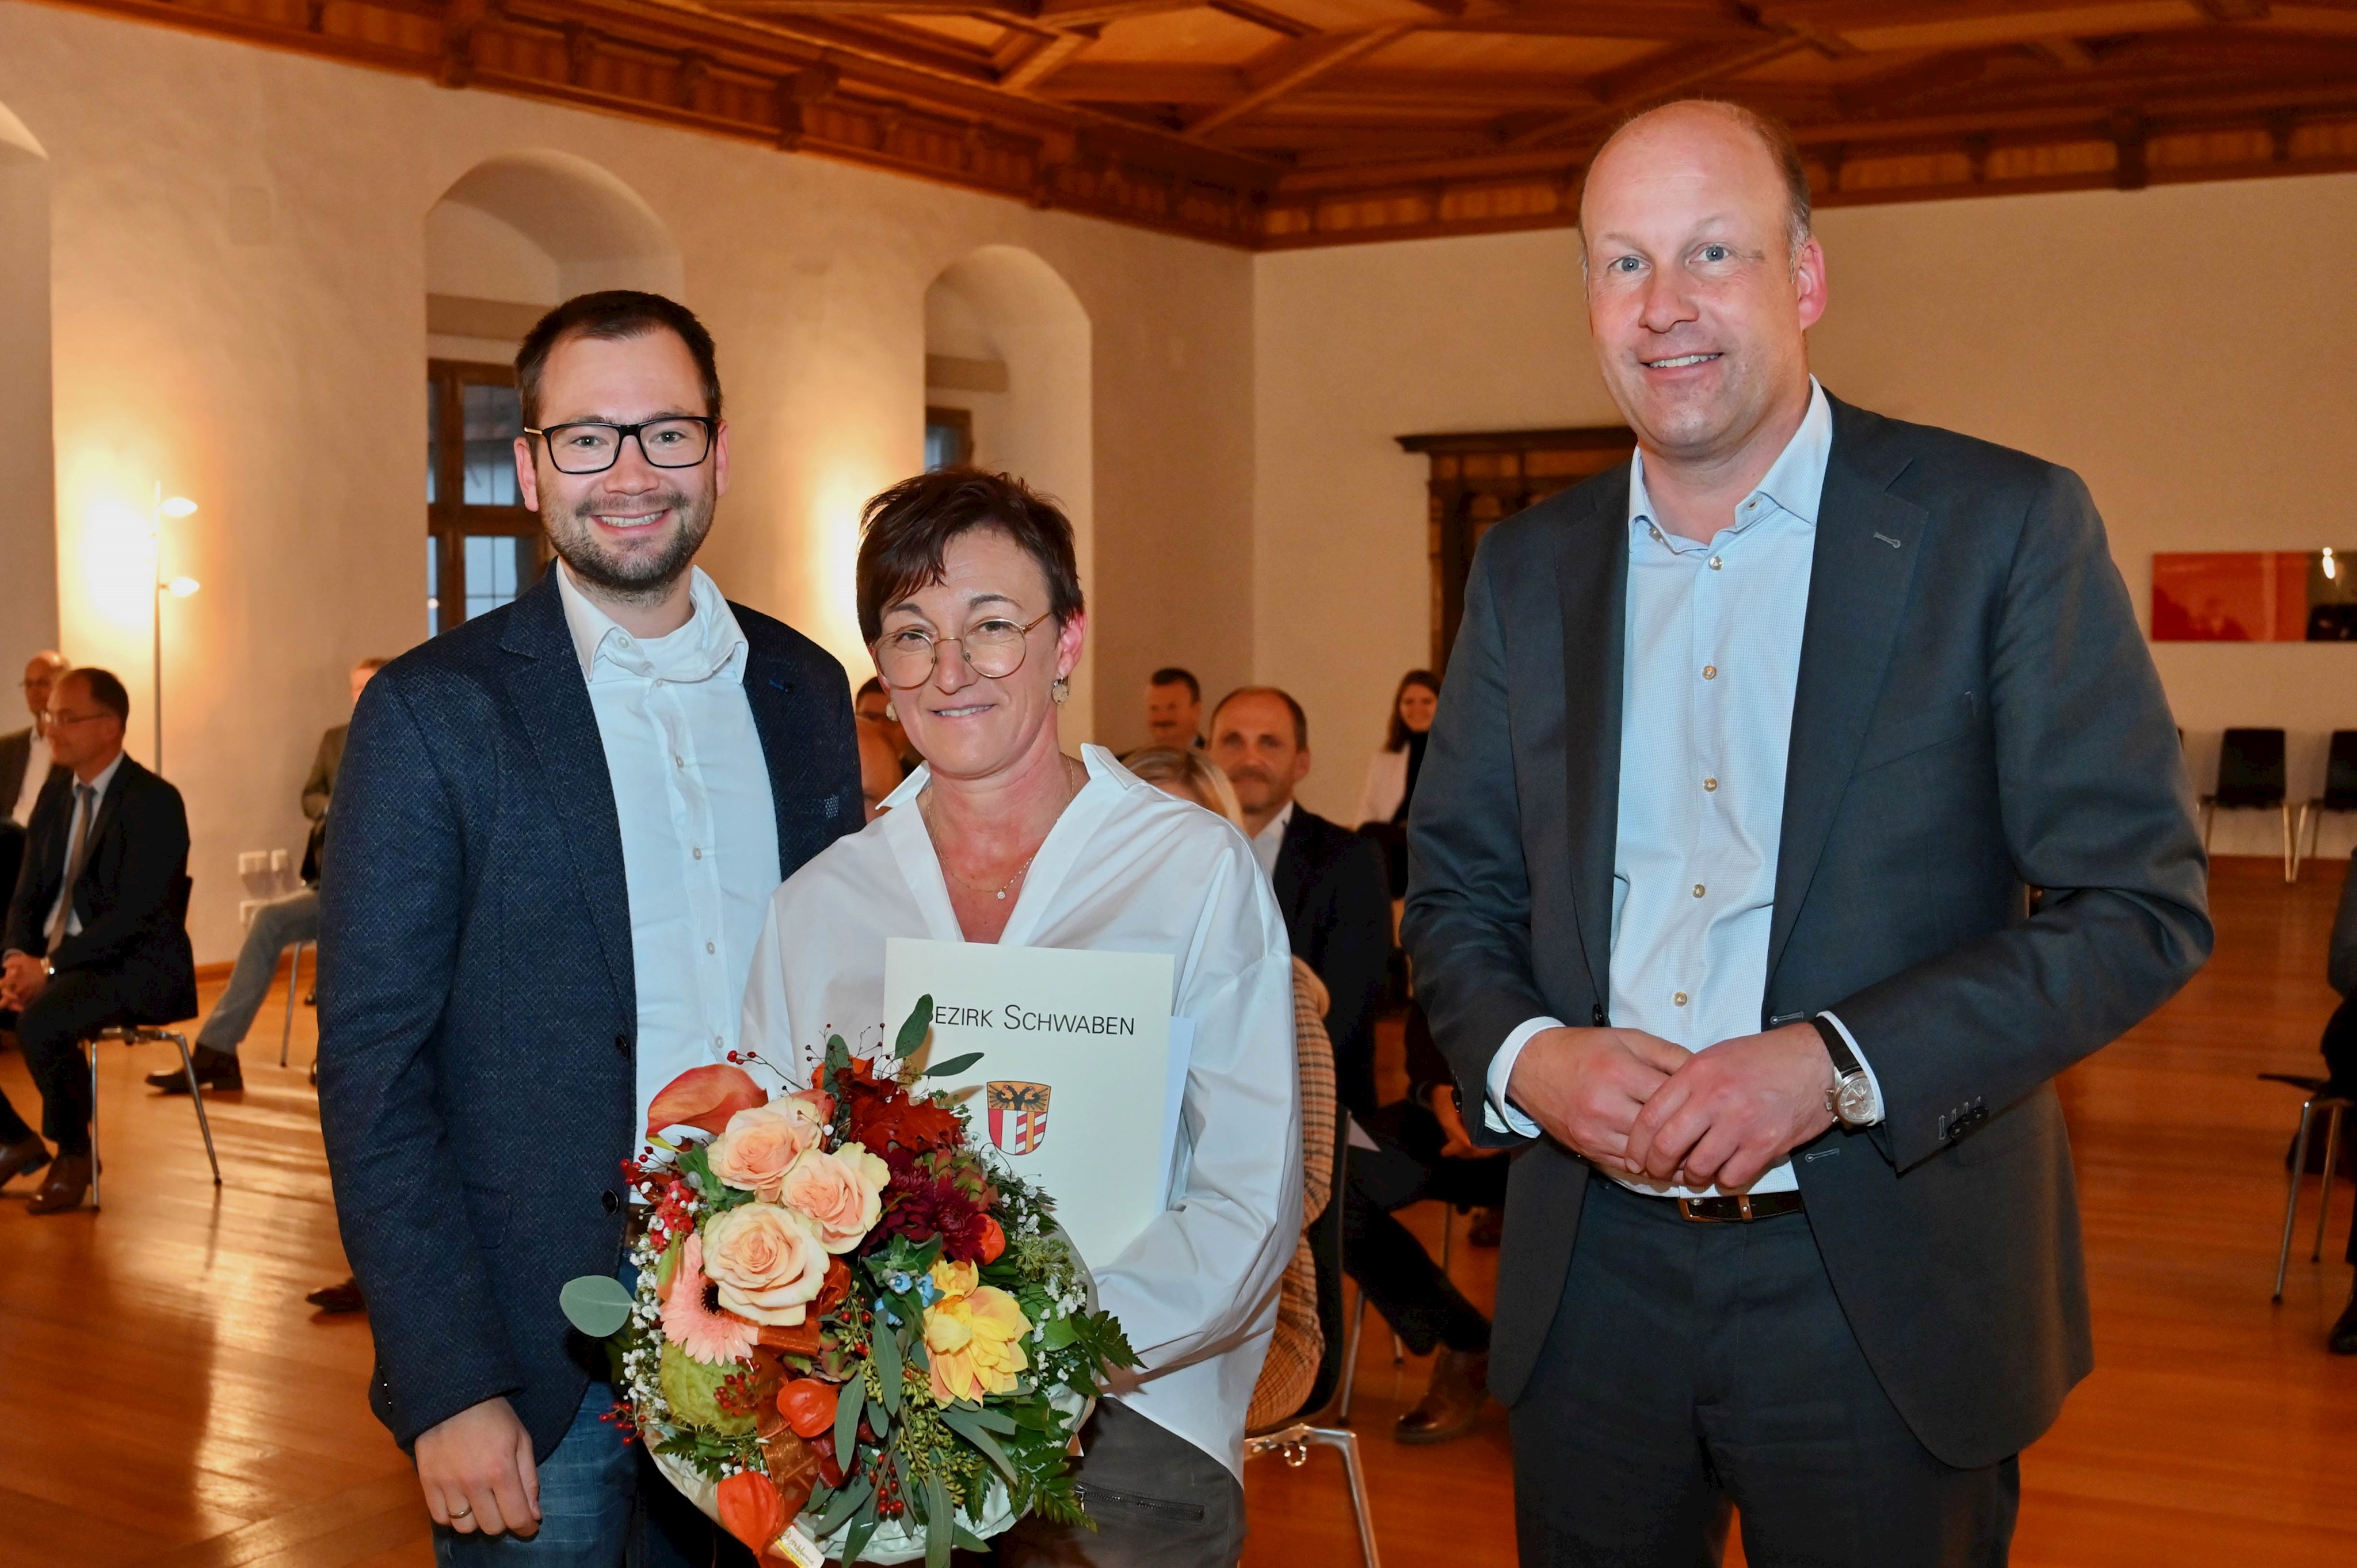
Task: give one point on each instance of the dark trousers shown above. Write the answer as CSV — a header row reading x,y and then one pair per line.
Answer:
x,y
1693,1367
1159,1502
1423,1306
72,1007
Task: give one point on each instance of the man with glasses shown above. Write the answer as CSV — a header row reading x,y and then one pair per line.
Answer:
x,y
96,932
557,829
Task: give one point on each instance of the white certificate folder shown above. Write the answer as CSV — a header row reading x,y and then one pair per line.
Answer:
x,y
1080,1080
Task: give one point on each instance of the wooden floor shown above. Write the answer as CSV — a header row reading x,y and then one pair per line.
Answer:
x,y
170,1400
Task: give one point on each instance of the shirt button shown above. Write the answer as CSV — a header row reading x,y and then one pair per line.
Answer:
x,y
1655,532
717,1041
698,852
1710,786
1698,889
1715,563
709,948
677,760
1679,999
1710,671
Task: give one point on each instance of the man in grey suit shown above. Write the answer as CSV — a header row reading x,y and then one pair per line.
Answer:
x,y
26,767
1750,755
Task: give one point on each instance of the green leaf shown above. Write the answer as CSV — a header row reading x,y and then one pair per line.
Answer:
x,y
848,1502
595,1304
940,1521
848,1401
952,1067
885,1348
863,1525
997,1421
878,1423
913,1033
963,1423
1058,1333
967,1539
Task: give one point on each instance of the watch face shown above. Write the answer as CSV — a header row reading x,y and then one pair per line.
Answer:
x,y
1855,1101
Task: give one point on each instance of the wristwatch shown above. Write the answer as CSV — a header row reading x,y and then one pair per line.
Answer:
x,y
1851,1100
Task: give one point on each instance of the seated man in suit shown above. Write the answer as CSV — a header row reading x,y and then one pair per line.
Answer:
x,y
1329,882
277,926
95,934
2339,1049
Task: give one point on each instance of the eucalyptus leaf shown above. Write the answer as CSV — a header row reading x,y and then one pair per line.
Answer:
x,y
913,1033
862,1526
878,1423
963,1423
967,1539
595,1304
952,1067
940,1519
885,1348
846,1502
848,1401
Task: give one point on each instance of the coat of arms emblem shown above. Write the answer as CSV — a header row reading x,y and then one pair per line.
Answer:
x,y
1019,1115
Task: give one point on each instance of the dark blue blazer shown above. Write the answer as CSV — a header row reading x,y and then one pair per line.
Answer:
x,y
477,1007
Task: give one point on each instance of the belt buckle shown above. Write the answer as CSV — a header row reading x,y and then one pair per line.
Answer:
x,y
1687,1210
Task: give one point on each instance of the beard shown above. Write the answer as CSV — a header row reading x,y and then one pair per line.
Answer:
x,y
647,572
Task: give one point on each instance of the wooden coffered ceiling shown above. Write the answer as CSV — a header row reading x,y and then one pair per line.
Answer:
x,y
1286,123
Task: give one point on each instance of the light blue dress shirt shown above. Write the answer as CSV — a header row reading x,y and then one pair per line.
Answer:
x,y
1710,666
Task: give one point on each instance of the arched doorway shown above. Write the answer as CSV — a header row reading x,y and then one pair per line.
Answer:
x,y
28,523
515,235
1008,386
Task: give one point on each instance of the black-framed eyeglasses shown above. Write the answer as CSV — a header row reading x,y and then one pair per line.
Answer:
x,y
996,648
675,441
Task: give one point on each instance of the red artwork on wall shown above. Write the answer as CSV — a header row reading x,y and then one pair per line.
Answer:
x,y
2249,596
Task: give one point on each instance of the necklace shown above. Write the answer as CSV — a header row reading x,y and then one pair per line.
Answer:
x,y
1002,890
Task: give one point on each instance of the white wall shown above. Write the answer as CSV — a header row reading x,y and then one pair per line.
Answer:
x,y
240,310
2185,349
29,589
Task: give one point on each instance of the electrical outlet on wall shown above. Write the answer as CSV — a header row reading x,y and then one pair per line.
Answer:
x,y
245,908
253,870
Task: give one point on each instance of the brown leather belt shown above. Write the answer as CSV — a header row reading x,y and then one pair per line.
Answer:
x,y
1740,1208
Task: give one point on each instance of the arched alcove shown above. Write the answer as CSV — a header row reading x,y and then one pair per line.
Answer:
x,y
28,522
1008,379
516,234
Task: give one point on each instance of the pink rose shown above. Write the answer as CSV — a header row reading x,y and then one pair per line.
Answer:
x,y
761,1146
766,1260
841,1194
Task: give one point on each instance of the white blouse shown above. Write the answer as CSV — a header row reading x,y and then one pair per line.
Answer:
x,y
1385,787
1125,869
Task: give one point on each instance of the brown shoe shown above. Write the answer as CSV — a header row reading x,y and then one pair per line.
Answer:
x,y
2343,1339
68,1184
1488,1227
1452,1400
343,1297
21,1159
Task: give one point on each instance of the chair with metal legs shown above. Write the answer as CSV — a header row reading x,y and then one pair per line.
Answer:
x,y
2334,1107
1399,1345
1292,1439
294,984
143,1035
2340,795
2251,778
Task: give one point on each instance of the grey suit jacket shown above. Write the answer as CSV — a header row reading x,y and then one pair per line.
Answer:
x,y
16,752
1976,716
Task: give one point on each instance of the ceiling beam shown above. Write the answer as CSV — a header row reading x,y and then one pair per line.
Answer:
x,y
1291,66
1661,75
1026,75
2063,53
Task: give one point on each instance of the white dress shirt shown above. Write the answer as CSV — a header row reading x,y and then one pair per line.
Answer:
x,y
37,773
97,788
1125,869
1269,843
699,827
1711,663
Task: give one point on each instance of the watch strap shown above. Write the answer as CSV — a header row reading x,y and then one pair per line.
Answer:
x,y
1846,1060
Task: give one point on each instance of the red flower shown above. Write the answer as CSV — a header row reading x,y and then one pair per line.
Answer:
x,y
884,1115
930,1196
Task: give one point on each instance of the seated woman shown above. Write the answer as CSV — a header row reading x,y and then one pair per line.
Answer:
x,y
971,601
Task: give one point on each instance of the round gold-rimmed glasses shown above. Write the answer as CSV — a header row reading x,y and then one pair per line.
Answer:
x,y
994,648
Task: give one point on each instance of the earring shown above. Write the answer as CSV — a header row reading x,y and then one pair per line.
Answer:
x,y
891,712
1061,690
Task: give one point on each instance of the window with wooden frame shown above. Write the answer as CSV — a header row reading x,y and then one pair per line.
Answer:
x,y
482,546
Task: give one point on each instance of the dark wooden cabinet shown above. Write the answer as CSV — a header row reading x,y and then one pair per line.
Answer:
x,y
1480,477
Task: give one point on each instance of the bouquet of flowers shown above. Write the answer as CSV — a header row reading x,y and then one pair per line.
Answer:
x,y
852,1335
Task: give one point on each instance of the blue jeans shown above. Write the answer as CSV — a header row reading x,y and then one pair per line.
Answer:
x,y
277,926
602,1505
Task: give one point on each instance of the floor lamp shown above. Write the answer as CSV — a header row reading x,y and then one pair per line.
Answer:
x,y
178,588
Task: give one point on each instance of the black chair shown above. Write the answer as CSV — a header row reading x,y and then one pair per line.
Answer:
x,y
1292,1438
2251,778
2321,1097
137,1031
2340,795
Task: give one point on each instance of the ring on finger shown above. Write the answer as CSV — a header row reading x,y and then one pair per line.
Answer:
x,y
462,1510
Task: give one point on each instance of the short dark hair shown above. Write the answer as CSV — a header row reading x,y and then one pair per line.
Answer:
x,y
1397,736
1171,675
104,688
873,684
1300,719
613,314
905,534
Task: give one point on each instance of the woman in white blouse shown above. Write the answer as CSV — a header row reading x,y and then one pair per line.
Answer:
x,y
1392,772
970,603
